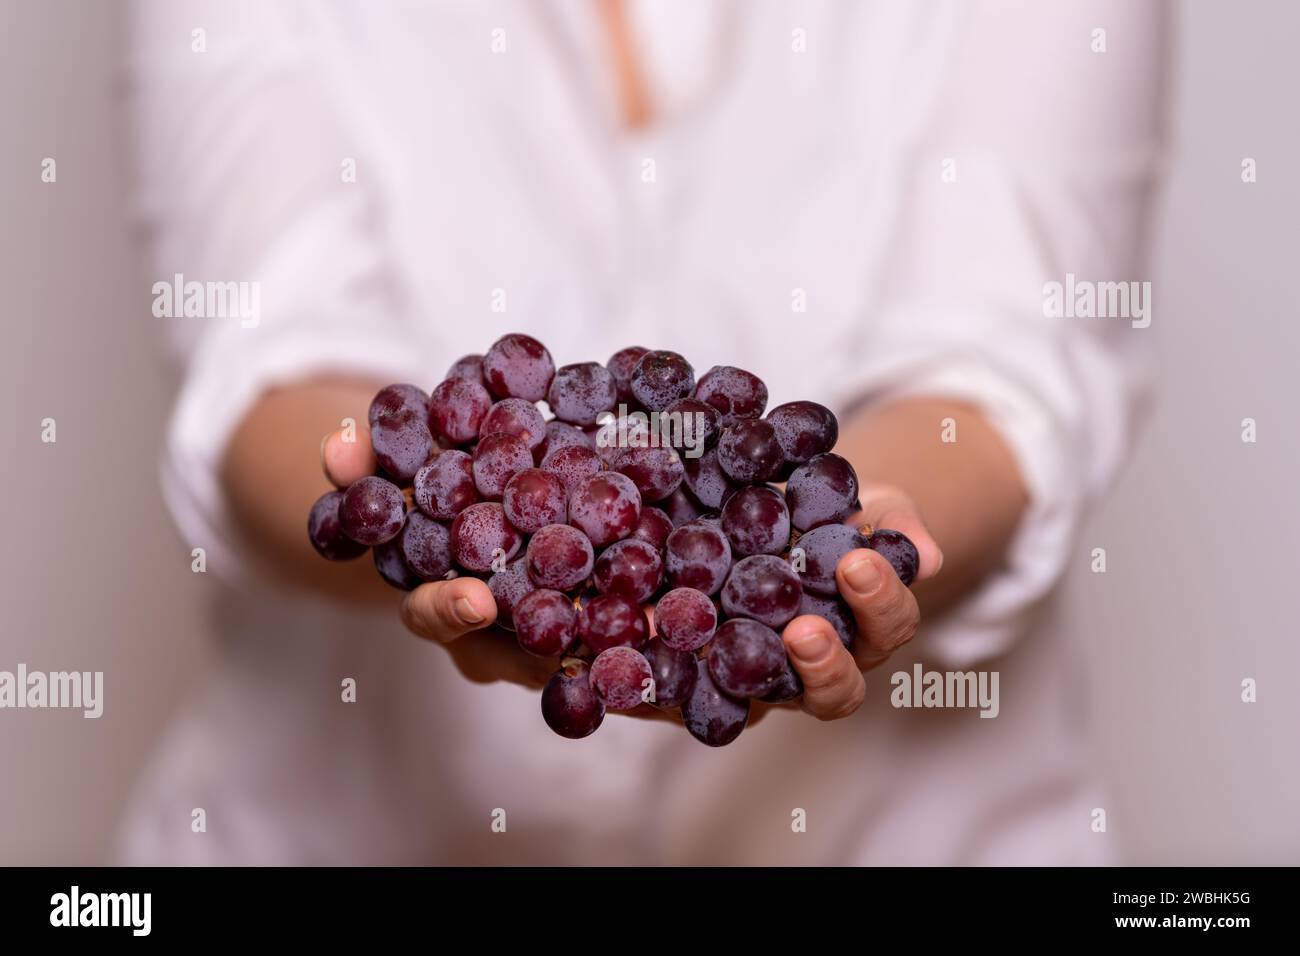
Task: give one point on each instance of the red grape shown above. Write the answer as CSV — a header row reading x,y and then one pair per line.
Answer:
x,y
898,550
497,459
762,587
605,507
746,658
822,548
392,400
673,672
533,499
570,706
545,622
698,556
620,676
457,408
326,533
559,557
469,367
372,511
712,717
698,426
834,610
824,490
787,687
560,435
682,507
621,365
631,567
612,620
518,366
748,451
614,435
656,472
579,393
756,521
445,486
706,480
426,546
402,443
514,416
654,527
804,430
735,393
392,567
481,535
660,378
685,619
572,464
509,587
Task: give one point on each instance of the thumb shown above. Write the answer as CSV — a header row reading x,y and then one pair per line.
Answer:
x,y
444,610
832,684
347,461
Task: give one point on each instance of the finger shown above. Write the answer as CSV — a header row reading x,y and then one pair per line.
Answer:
x,y
887,507
832,683
442,611
885,610
347,461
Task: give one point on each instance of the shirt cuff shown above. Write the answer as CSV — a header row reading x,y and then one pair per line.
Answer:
x,y
987,623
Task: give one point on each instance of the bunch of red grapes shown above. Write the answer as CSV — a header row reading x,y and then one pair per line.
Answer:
x,y
578,523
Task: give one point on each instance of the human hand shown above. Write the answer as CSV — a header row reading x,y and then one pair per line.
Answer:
x,y
885,610
459,615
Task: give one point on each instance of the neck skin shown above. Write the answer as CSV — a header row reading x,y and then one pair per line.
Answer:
x,y
635,107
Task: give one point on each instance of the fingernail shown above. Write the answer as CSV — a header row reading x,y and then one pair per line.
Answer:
x,y
862,576
811,648
324,440
465,612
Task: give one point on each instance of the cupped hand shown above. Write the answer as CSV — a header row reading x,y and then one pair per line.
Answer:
x,y
458,615
885,610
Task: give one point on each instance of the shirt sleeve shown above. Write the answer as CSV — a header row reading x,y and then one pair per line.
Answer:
x,y
1038,163
244,144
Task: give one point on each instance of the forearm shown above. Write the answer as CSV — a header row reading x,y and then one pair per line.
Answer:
x,y
969,491
271,475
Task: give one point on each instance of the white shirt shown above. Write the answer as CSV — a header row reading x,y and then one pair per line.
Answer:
x,y
793,210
